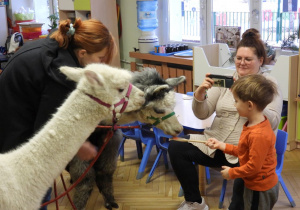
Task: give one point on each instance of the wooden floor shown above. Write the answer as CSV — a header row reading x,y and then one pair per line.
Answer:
x,y
162,192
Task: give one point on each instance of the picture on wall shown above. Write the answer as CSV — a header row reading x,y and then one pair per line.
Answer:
x,y
230,35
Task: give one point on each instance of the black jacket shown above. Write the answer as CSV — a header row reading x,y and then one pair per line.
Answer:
x,y
31,90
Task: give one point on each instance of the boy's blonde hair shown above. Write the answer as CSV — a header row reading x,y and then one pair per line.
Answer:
x,y
255,88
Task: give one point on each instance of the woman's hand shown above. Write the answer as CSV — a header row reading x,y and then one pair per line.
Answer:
x,y
215,144
87,151
225,172
201,90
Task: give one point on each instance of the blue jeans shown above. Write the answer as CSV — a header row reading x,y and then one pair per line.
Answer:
x,y
46,198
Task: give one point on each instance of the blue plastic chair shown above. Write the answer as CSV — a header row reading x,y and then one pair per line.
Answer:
x,y
140,135
281,142
162,147
131,133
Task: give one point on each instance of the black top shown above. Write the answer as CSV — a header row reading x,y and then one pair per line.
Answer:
x,y
31,89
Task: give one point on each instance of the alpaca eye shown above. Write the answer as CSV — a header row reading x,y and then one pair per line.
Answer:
x,y
121,90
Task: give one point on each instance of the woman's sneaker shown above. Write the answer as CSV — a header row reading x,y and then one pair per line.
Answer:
x,y
185,205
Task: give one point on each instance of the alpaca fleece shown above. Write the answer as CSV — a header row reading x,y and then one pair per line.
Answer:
x,y
160,101
28,171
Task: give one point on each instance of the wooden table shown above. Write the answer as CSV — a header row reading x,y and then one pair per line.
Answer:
x,y
185,115
188,120
168,66
188,61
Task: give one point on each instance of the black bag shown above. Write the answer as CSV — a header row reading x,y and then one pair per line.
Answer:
x,y
13,42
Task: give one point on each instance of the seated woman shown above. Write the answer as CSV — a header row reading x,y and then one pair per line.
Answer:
x,y
227,126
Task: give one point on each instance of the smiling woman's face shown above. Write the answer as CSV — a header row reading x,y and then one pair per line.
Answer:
x,y
246,62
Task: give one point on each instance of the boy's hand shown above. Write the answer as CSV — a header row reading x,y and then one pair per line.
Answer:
x,y
215,144
225,172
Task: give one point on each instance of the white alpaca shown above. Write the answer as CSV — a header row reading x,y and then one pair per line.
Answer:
x,y
157,110
27,172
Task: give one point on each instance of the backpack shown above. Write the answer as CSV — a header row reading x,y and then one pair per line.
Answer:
x,y
13,42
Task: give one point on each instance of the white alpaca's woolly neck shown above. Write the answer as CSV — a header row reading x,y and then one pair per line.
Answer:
x,y
75,120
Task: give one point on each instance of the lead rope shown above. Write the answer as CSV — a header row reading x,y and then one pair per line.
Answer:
x,y
107,138
123,101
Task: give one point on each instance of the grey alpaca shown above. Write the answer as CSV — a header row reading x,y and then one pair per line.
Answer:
x,y
160,100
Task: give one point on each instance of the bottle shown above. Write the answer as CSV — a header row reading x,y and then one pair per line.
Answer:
x,y
146,15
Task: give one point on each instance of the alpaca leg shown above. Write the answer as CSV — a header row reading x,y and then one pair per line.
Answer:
x,y
105,186
105,167
84,188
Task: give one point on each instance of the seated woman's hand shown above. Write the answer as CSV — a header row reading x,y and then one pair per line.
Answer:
x,y
201,90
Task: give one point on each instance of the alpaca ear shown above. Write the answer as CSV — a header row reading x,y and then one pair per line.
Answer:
x,y
161,88
160,91
72,73
94,78
175,81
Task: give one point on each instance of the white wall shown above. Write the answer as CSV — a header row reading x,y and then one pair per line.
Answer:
x,y
130,31
3,28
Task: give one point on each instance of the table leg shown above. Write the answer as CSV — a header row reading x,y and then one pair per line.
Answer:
x,y
202,180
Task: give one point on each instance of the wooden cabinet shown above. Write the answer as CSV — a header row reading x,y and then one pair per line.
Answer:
x,y
70,5
103,10
82,5
293,119
168,66
71,9
66,5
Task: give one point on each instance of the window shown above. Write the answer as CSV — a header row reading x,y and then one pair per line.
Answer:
x,y
194,21
43,9
279,24
230,13
277,20
184,21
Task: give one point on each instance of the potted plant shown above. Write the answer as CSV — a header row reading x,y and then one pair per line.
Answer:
x,y
53,21
288,43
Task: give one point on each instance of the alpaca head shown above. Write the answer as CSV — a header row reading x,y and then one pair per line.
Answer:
x,y
160,100
106,83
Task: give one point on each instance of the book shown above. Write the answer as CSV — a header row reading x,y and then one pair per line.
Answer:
x,y
230,35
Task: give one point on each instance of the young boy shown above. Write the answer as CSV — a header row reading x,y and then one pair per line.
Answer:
x,y
256,147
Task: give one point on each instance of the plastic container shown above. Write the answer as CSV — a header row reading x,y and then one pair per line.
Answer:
x,y
282,122
17,28
30,30
146,15
31,35
28,27
147,41
20,16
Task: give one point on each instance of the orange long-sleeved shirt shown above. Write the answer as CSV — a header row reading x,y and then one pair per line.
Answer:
x,y
257,157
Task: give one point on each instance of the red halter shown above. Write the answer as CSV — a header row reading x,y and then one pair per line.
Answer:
x,y
123,101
